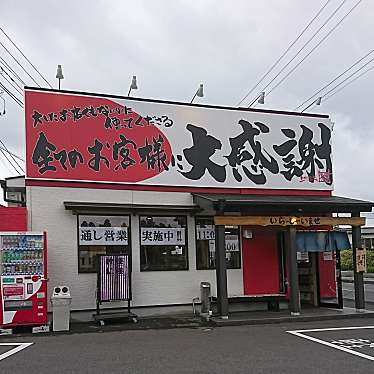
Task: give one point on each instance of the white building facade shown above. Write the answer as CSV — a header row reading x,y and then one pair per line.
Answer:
x,y
47,212
97,162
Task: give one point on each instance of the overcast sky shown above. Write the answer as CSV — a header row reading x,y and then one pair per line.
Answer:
x,y
172,46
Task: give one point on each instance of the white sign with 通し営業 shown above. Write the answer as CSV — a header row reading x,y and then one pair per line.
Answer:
x,y
103,236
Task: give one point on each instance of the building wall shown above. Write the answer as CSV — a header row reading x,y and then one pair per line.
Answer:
x,y
15,181
13,219
47,213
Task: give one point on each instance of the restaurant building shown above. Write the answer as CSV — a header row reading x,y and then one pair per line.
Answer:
x,y
240,198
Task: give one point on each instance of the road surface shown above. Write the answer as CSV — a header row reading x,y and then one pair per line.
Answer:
x,y
240,349
348,294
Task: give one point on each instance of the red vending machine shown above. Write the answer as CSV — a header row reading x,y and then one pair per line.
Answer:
x,y
23,282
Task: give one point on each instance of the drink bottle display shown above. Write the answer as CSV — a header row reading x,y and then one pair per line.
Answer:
x,y
23,287
22,254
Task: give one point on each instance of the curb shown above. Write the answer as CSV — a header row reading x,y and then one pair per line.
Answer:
x,y
232,322
189,323
141,325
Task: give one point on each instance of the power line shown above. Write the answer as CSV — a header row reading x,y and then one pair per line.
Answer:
x,y
349,76
9,92
11,153
10,162
344,80
13,158
16,99
6,165
335,79
351,81
19,64
45,80
10,77
314,48
13,72
305,44
284,53
19,90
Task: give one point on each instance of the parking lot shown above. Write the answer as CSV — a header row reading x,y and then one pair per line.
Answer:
x,y
316,347
357,340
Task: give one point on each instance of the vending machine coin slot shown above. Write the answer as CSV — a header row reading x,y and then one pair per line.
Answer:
x,y
30,288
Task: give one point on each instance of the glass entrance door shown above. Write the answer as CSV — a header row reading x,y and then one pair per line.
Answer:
x,y
330,291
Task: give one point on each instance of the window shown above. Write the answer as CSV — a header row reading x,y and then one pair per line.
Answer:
x,y
163,243
205,245
101,235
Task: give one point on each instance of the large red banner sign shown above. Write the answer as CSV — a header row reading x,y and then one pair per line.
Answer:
x,y
91,138
83,137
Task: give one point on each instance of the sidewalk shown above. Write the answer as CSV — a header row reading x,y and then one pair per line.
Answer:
x,y
189,321
307,314
144,323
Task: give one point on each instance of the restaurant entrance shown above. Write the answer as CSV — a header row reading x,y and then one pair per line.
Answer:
x,y
320,280
309,225
263,262
330,280
265,267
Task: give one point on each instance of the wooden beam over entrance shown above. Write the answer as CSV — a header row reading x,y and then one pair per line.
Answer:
x,y
287,221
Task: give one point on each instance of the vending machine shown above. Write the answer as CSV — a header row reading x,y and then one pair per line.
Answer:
x,y
23,280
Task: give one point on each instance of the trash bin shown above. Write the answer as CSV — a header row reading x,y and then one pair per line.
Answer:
x,y
61,301
205,298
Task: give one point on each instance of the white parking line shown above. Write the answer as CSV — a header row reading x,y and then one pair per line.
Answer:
x,y
19,347
300,333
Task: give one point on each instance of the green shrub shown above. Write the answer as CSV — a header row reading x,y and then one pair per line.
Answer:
x,y
346,259
370,261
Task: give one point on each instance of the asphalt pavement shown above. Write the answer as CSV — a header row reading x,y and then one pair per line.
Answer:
x,y
348,294
239,349
281,348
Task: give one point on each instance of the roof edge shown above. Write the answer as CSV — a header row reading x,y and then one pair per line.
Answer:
x,y
132,98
